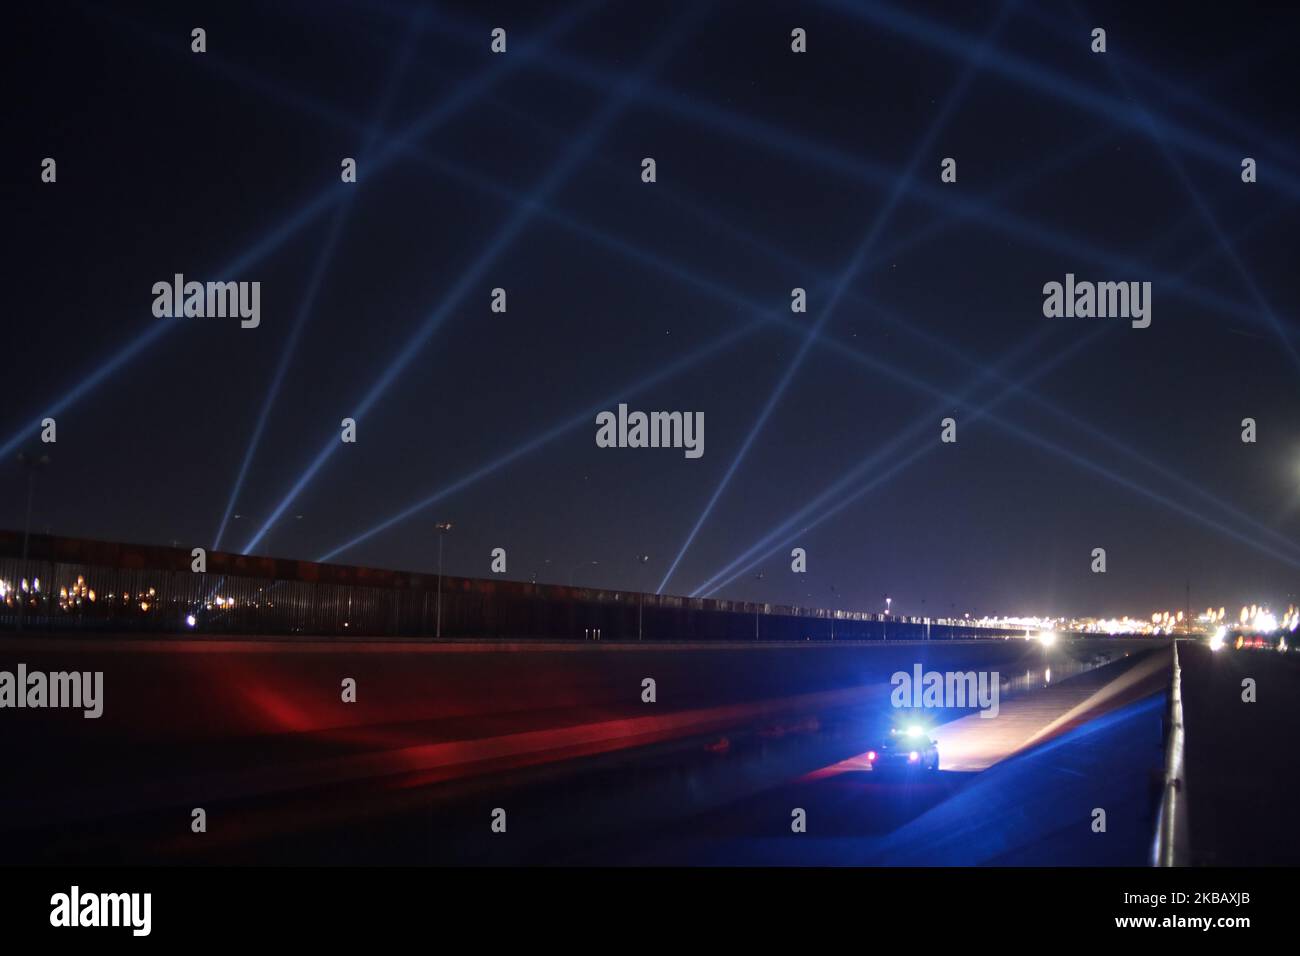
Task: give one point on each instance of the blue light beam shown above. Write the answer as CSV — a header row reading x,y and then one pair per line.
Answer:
x,y
842,284
510,230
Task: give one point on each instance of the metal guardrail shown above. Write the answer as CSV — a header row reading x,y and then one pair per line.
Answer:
x,y
1171,843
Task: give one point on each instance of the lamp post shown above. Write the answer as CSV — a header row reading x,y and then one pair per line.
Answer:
x,y
443,528
757,577
832,612
33,464
643,560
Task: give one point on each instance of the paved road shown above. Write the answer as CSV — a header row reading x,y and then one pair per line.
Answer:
x,y
591,778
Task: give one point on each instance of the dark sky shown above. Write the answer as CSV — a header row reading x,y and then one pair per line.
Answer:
x,y
774,169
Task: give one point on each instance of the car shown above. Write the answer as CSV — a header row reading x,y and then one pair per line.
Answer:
x,y
904,751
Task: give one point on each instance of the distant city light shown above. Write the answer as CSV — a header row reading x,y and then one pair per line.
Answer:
x,y
1263,622
1217,638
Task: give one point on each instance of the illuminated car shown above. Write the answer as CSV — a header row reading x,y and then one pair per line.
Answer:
x,y
1254,641
904,751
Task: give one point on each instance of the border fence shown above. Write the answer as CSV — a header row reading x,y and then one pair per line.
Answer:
x,y
74,585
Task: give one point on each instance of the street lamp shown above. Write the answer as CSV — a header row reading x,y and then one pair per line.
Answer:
x,y
757,577
832,612
547,564
443,528
643,560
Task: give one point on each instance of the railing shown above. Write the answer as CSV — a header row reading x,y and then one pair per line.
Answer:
x,y
74,585
1171,847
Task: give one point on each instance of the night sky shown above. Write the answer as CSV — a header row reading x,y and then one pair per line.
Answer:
x,y
775,170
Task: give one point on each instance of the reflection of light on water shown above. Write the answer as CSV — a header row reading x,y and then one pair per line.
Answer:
x,y
1032,680
1036,680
